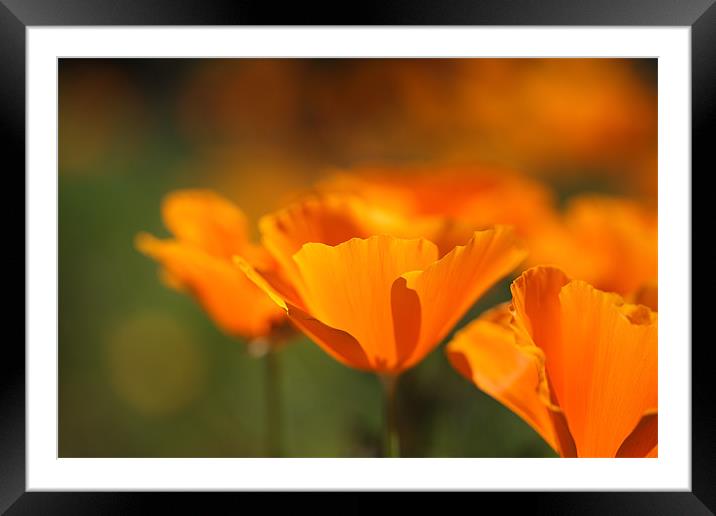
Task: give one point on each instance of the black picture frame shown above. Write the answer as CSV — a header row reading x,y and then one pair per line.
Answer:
x,y
700,15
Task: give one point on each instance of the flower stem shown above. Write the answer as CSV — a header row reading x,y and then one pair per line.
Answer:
x,y
391,438
273,404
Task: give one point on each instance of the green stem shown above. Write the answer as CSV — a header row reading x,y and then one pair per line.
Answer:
x,y
273,404
391,438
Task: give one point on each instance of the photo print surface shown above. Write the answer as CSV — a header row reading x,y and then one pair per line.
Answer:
x,y
358,258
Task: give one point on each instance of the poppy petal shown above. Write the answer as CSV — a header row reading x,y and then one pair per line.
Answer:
x,y
535,298
279,291
406,312
611,380
339,344
349,286
451,286
642,441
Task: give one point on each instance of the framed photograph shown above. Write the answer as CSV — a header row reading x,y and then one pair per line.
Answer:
x,y
420,249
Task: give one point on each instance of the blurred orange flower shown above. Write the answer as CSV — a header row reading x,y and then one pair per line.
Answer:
x,y
609,242
335,218
383,303
476,197
577,364
208,231
548,111
647,295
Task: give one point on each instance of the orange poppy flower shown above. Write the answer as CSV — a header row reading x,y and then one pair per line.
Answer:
x,y
577,364
208,231
609,242
381,304
476,196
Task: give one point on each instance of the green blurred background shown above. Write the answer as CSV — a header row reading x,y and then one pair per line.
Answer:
x,y
144,373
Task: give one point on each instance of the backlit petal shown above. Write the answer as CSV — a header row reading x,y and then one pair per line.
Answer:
x,y
535,298
348,287
449,287
339,344
609,361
